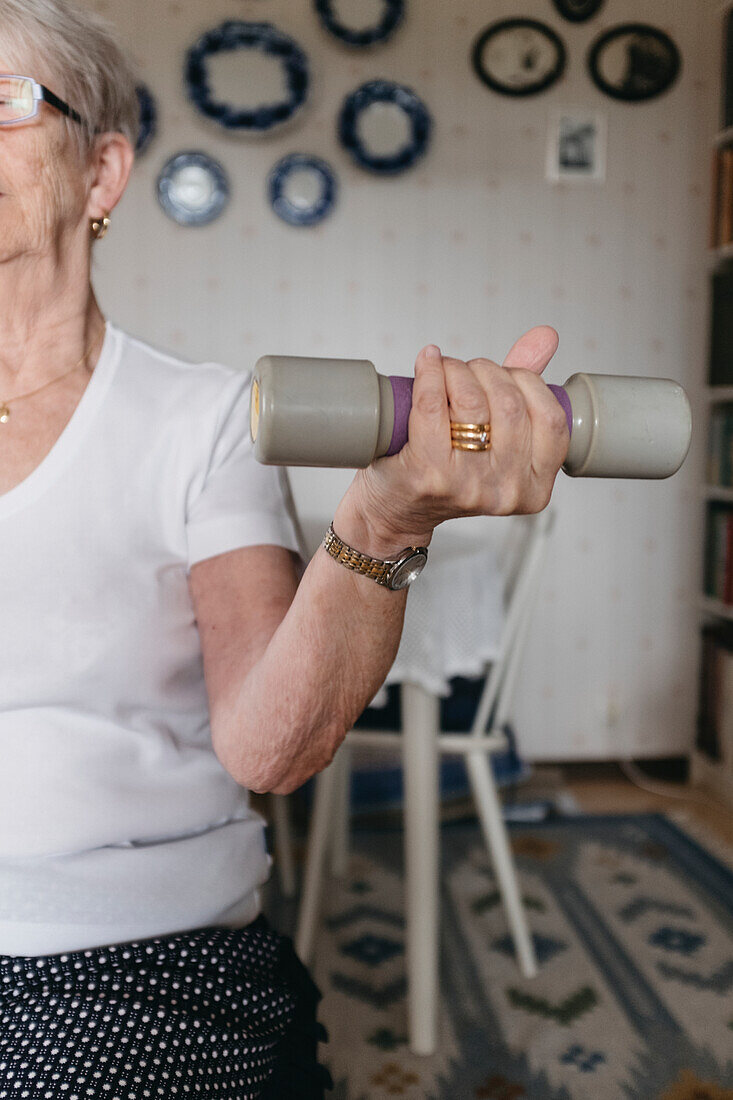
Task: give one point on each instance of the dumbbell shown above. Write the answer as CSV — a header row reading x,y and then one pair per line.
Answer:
x,y
342,412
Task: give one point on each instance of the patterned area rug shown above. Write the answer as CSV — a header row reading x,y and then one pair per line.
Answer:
x,y
632,922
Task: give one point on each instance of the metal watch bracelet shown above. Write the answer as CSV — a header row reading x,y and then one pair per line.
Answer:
x,y
363,564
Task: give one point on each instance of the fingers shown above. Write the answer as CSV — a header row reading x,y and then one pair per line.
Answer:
x,y
534,350
429,431
547,433
445,390
467,398
528,427
511,426
550,435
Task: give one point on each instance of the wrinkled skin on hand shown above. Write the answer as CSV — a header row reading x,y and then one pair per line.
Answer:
x,y
408,494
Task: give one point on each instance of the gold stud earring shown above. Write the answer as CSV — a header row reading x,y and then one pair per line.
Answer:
x,y
100,226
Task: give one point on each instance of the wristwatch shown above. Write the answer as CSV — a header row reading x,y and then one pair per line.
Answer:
x,y
395,574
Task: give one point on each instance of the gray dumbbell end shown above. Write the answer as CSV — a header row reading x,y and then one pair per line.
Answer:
x,y
625,426
290,428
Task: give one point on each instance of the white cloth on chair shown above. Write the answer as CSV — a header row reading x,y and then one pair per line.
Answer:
x,y
455,612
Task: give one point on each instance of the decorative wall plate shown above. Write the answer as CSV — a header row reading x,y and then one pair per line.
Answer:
x,y
148,118
260,106
302,189
345,19
193,189
518,57
577,11
634,62
384,126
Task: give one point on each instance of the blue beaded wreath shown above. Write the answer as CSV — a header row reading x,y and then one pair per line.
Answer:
x,y
385,91
148,118
284,207
236,35
394,11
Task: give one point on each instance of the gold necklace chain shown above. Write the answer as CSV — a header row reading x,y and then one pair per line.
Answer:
x,y
4,409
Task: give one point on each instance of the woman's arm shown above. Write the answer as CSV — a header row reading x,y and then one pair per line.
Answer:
x,y
290,667
280,710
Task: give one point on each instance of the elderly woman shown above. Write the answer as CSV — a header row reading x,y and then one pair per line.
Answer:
x,y
162,651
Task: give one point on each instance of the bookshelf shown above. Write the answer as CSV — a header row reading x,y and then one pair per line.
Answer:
x,y
712,757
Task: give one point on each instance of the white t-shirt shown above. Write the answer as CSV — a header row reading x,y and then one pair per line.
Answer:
x,y
117,821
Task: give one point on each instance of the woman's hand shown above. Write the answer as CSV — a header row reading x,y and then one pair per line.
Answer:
x,y
404,497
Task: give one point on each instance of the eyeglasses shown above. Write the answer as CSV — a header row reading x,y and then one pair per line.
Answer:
x,y
20,97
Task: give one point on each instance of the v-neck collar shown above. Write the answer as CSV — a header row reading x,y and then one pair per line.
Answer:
x,y
50,467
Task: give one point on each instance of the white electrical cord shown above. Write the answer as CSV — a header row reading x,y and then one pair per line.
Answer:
x,y
666,789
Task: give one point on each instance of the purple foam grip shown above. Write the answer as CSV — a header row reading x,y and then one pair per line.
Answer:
x,y
564,400
402,391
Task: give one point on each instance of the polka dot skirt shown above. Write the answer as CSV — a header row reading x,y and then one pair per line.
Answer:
x,y
219,1012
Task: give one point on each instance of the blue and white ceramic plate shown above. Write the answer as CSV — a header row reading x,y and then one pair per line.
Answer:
x,y
193,189
385,127
262,106
148,118
332,18
302,189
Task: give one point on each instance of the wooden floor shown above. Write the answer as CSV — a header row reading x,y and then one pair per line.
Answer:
x,y
603,788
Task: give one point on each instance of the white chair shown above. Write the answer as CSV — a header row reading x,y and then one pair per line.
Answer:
x,y
329,828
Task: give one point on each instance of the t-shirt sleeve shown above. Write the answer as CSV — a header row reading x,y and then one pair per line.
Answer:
x,y
235,501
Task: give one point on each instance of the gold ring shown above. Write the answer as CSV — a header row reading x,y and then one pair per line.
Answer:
x,y
471,446
455,426
470,437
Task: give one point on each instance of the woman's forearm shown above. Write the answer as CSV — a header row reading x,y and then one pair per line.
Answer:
x,y
323,665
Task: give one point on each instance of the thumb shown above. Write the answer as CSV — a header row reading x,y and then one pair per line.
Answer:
x,y
534,350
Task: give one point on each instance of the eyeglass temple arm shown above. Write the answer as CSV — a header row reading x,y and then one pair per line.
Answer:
x,y
60,105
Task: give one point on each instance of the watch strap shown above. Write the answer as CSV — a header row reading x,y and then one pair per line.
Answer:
x,y
346,555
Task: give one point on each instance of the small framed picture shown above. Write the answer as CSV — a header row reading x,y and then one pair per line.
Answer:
x,y
576,145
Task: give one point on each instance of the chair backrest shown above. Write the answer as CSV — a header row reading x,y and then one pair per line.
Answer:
x,y
523,571
522,534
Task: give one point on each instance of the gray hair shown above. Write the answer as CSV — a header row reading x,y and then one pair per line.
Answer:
x,y
88,66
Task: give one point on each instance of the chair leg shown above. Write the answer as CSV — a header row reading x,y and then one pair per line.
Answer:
x,y
497,841
283,843
420,727
318,844
341,806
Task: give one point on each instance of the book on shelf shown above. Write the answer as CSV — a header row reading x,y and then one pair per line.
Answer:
x,y
721,206
715,702
715,644
718,553
728,567
727,104
725,206
714,198
720,371
719,470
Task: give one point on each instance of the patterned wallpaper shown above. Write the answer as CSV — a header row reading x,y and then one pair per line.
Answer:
x,y
468,250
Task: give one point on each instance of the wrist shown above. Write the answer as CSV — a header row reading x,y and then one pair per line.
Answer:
x,y
370,534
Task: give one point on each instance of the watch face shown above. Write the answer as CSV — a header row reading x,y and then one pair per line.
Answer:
x,y
518,57
406,572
